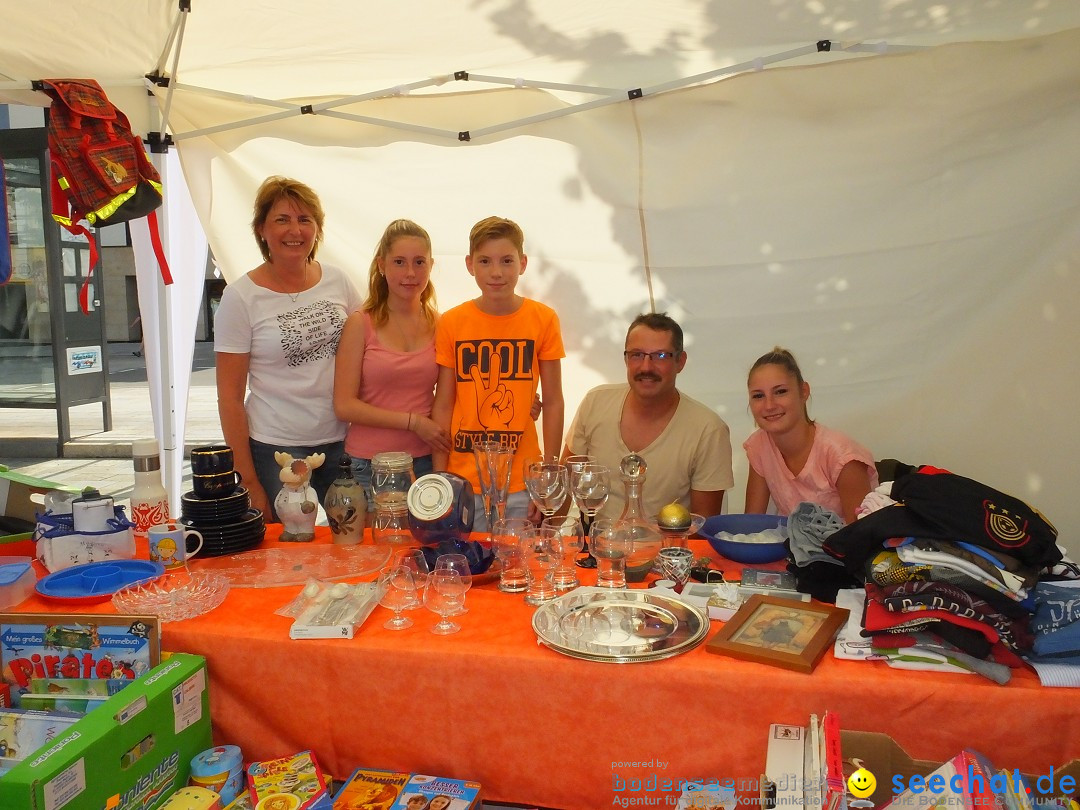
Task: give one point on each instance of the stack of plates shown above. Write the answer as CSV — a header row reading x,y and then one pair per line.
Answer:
x,y
619,626
212,511
228,525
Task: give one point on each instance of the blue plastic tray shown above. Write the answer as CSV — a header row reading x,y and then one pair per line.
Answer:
x,y
93,582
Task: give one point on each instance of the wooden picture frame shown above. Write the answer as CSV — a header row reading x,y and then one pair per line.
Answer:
x,y
783,632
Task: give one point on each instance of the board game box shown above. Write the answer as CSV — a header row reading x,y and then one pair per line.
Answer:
x,y
294,782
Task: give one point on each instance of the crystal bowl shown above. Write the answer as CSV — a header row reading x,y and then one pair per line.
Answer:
x,y
173,596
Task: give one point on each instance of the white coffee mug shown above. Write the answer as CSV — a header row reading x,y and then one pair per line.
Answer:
x,y
168,544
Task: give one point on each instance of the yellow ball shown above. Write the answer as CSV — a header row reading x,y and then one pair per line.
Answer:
x,y
674,516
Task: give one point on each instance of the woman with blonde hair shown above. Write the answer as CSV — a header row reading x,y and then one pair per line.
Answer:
x,y
385,376
276,332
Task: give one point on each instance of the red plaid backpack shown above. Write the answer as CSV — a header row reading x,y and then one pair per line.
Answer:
x,y
101,173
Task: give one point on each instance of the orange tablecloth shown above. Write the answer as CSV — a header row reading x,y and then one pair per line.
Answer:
x,y
488,703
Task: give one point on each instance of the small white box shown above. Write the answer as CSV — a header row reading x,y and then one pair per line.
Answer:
x,y
324,619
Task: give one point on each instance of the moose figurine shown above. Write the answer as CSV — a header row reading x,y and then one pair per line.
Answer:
x,y
296,502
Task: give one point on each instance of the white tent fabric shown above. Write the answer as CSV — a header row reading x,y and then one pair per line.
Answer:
x,y
906,223
170,338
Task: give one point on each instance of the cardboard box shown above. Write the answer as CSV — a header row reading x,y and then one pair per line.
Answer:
x,y
136,746
15,503
882,756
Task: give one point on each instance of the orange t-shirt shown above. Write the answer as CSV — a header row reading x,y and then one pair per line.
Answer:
x,y
496,362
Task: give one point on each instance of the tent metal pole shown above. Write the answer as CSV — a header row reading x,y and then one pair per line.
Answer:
x,y
160,66
383,122
753,64
572,88
228,96
250,122
535,119
172,72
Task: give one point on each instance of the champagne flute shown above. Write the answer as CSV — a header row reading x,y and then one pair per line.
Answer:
x,y
459,564
445,593
399,592
547,482
482,451
590,488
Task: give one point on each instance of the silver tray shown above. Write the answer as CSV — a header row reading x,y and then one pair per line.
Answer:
x,y
619,626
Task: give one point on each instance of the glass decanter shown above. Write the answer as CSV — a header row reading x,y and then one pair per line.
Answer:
x,y
641,537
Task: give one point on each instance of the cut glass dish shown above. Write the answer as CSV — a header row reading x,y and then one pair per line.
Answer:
x,y
173,596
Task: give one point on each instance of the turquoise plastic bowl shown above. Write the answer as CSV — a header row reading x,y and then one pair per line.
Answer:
x,y
751,553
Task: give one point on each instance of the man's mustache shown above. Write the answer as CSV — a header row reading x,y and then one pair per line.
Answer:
x,y
645,375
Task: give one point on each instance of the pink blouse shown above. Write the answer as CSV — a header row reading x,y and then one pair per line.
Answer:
x,y
816,482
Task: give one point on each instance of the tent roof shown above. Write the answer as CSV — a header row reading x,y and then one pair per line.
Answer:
x,y
286,50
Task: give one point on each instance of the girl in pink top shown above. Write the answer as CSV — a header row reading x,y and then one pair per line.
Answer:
x,y
384,382
792,458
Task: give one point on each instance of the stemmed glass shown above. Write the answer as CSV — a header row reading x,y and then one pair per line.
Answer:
x,y
570,539
414,560
458,564
400,591
444,595
590,488
547,482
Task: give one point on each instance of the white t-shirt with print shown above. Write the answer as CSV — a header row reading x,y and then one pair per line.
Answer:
x,y
292,345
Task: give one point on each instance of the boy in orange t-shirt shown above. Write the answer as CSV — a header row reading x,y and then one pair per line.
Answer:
x,y
492,354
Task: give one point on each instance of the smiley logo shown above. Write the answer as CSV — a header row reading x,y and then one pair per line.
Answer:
x,y
861,783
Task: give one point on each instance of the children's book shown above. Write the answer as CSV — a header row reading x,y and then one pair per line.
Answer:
x,y
70,694
438,793
288,783
71,646
24,731
368,789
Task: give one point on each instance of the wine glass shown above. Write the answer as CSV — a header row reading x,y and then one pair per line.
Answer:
x,y
399,591
590,488
548,484
414,560
459,564
444,595
570,539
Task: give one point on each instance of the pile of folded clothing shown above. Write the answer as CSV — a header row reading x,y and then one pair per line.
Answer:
x,y
950,567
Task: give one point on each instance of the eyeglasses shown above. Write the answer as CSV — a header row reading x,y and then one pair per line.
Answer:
x,y
656,357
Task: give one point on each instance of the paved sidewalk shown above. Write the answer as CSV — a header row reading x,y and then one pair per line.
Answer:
x,y
28,437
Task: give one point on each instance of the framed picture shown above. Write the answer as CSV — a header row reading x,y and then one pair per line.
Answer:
x,y
50,653
783,632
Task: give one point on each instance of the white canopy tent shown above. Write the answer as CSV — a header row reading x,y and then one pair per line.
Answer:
x,y
899,210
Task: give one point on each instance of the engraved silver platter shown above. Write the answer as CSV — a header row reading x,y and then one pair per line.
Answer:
x,y
619,626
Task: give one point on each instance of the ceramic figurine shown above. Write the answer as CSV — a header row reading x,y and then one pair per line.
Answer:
x,y
296,504
346,506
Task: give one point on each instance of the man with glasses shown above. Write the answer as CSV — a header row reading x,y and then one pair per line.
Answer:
x,y
686,445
